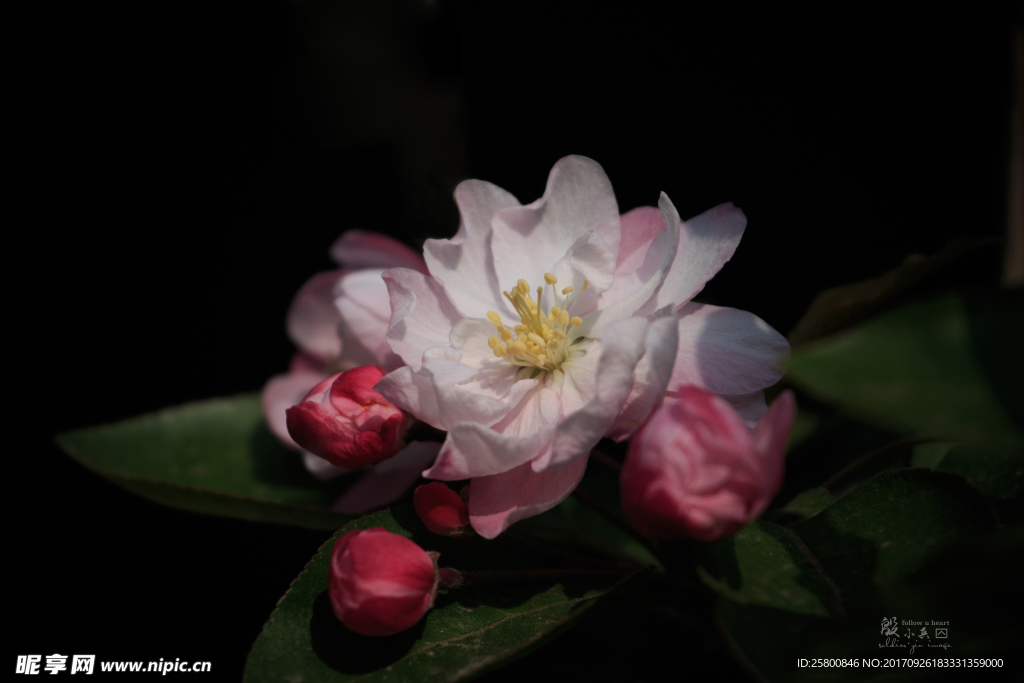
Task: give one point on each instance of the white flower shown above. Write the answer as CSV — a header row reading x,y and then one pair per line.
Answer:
x,y
542,328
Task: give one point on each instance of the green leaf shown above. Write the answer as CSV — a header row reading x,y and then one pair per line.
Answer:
x,y
470,629
214,457
820,587
840,307
949,368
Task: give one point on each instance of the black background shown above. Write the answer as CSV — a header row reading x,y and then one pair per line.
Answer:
x,y
190,163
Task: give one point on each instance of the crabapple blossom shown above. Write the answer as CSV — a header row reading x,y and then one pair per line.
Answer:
x,y
695,470
539,329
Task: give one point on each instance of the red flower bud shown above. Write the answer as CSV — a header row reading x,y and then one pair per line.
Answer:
x,y
381,583
696,470
442,510
346,422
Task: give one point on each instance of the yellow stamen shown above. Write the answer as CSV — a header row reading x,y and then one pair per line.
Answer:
x,y
550,279
567,290
524,288
506,334
576,321
564,318
499,350
492,341
493,317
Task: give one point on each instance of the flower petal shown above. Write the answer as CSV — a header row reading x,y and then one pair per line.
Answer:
x,y
386,482
497,501
312,320
364,249
770,437
727,351
475,450
623,345
528,240
638,297
280,393
365,309
706,242
464,263
750,407
442,405
422,315
650,378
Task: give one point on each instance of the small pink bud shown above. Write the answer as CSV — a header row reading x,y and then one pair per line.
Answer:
x,y
346,422
442,510
696,470
381,583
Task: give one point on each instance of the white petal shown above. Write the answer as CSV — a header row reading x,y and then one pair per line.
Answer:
x,y
727,351
622,346
364,249
497,501
362,301
589,260
386,482
312,320
641,300
422,315
474,450
442,405
650,378
529,240
464,263
706,242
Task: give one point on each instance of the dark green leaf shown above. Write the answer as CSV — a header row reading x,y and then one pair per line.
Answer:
x,y
469,630
841,307
820,587
946,368
215,457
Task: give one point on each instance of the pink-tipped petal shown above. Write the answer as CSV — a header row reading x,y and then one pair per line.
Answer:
x,y
312,319
364,249
639,228
362,301
498,501
770,437
638,295
706,242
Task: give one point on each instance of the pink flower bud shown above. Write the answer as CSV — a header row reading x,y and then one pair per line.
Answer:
x,y
381,583
696,470
346,422
442,510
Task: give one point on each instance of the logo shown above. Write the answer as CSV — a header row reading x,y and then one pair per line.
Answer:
x,y
913,634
